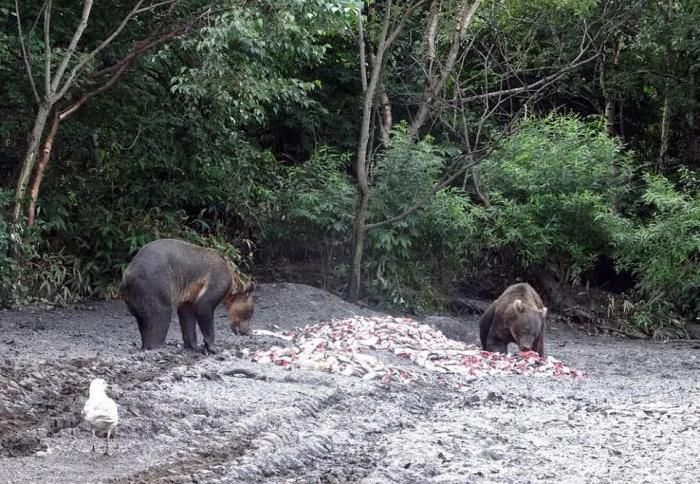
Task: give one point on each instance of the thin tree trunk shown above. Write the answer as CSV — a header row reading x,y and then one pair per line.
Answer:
x,y
666,110
665,131
29,161
359,226
45,154
358,239
607,90
386,115
609,115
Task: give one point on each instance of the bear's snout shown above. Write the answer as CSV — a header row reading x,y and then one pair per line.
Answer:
x,y
526,344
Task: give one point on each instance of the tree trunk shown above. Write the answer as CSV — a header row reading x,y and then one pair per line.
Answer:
x,y
45,154
386,115
609,115
359,226
608,90
665,131
29,161
358,240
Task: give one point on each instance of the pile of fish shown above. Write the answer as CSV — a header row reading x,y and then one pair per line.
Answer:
x,y
348,347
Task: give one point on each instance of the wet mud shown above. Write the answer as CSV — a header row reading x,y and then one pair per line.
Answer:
x,y
187,417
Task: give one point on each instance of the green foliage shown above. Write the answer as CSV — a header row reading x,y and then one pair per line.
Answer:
x,y
409,262
59,264
552,186
10,288
240,134
249,59
310,213
665,252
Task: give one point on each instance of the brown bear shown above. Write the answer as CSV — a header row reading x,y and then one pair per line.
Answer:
x,y
517,316
171,273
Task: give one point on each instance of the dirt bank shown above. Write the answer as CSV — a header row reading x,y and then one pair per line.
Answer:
x,y
221,418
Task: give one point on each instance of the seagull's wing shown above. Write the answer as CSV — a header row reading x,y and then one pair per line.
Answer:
x,y
101,411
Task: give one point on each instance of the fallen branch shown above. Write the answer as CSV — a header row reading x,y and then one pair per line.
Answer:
x,y
629,334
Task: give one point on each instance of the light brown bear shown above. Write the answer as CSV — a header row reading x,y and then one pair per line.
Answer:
x,y
517,316
169,273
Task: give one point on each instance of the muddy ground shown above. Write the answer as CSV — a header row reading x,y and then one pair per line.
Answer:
x,y
220,418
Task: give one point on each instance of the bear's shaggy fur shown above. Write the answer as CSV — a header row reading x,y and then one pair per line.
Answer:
x,y
517,316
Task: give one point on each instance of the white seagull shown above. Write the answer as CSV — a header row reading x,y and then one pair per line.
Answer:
x,y
100,411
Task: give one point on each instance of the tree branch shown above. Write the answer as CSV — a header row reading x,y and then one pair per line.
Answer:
x,y
25,56
533,85
397,30
363,55
424,200
430,36
87,6
118,69
47,51
154,6
76,69
464,18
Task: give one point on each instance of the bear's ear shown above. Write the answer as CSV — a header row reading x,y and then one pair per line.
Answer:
x,y
544,312
518,304
249,288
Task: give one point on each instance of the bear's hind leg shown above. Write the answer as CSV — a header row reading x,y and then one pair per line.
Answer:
x,y
188,326
205,319
485,325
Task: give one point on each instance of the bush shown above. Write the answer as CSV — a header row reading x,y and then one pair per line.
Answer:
x,y
553,186
313,202
406,264
11,289
412,262
664,253
62,260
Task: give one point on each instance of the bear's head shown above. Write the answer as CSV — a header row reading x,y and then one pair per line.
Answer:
x,y
240,306
527,324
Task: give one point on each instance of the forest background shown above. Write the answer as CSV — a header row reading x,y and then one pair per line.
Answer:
x,y
411,153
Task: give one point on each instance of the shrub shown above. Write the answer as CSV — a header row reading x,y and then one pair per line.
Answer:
x,y
313,203
411,262
553,186
406,264
59,262
664,253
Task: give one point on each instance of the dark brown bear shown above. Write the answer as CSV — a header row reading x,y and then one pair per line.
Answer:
x,y
517,316
171,273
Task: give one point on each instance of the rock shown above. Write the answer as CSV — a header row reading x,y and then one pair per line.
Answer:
x,y
452,328
464,305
